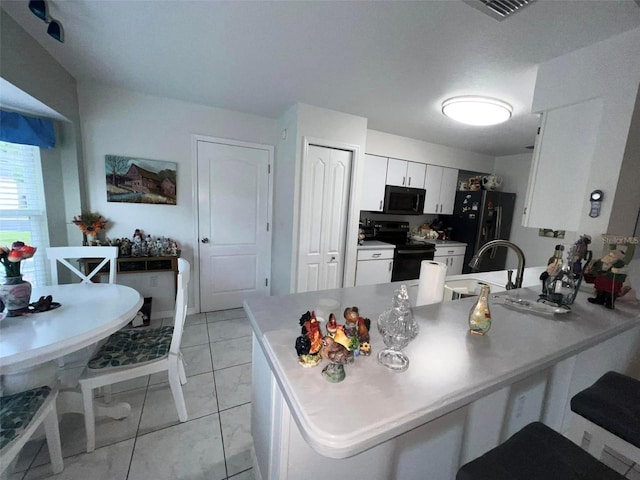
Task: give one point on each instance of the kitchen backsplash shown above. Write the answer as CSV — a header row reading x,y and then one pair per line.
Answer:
x,y
414,220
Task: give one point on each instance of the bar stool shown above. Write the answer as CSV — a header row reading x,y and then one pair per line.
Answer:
x,y
609,410
537,452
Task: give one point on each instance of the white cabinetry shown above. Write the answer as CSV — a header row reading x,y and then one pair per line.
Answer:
x,y
374,266
441,184
452,257
405,174
556,196
375,175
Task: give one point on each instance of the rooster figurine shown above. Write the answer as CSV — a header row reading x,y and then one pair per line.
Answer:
x,y
335,352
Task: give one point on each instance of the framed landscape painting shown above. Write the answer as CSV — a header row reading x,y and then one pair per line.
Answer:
x,y
138,180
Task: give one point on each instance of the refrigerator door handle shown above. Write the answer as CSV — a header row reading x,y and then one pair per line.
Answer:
x,y
498,230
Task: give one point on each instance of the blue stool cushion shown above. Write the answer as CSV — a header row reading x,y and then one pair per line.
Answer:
x,y
537,453
613,403
17,411
133,347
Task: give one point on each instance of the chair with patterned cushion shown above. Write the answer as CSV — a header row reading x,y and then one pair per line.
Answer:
x,y
133,353
103,255
20,415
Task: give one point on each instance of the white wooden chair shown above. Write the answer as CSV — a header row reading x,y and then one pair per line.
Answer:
x,y
64,254
133,353
20,415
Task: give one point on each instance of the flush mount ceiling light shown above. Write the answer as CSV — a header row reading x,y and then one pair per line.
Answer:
x,y
40,9
474,110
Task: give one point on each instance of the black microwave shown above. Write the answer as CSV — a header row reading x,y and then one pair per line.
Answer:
x,y
403,200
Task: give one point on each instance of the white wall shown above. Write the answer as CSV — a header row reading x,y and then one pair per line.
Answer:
x,y
609,70
123,122
326,127
28,66
404,148
514,170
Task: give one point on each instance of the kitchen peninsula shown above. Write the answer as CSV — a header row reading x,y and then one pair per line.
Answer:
x,y
461,395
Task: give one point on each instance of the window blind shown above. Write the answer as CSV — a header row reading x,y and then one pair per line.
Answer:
x,y
23,213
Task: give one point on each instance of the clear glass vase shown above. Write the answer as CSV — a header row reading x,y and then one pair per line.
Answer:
x,y
397,327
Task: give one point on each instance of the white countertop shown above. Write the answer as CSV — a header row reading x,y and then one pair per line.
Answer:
x,y
376,245
449,367
446,243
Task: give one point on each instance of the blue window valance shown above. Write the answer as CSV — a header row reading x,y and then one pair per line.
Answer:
x,y
18,128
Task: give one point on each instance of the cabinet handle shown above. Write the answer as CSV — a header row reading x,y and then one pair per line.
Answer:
x,y
403,180
380,204
205,240
376,255
451,252
390,265
409,184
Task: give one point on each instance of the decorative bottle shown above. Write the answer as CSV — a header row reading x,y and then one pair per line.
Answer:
x,y
480,316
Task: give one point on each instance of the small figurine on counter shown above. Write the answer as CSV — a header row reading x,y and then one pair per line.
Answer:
x,y
335,352
334,373
332,325
308,345
356,325
609,275
341,337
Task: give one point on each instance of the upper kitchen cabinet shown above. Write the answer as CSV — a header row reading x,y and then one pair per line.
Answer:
x,y
403,173
560,168
375,175
441,184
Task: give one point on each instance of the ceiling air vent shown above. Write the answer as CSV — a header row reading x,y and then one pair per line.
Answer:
x,y
499,9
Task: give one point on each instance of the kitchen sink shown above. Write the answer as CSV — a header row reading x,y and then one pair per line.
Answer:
x,y
467,287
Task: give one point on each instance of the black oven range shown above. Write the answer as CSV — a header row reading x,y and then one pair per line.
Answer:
x,y
407,256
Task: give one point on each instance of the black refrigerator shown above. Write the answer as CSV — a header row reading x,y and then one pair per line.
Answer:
x,y
478,217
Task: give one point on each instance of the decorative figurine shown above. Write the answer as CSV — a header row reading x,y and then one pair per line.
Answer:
x,y
341,337
334,372
335,352
365,349
609,274
356,325
332,325
309,350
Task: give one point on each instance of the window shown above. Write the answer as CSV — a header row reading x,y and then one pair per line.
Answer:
x,y
23,213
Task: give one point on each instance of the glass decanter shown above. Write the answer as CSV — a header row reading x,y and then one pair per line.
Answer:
x,y
397,327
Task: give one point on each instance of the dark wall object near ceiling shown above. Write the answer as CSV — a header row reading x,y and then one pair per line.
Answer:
x,y
41,10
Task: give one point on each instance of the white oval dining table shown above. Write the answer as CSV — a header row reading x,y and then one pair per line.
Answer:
x,y
88,313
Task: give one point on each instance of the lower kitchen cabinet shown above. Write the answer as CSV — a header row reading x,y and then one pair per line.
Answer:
x,y
452,257
374,266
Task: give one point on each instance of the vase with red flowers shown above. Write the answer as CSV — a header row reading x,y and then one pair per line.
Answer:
x,y
15,292
90,224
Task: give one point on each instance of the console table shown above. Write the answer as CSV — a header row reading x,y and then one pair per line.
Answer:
x,y
167,263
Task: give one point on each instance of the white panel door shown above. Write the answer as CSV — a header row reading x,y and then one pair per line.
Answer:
x,y
415,174
397,172
233,216
432,182
326,179
448,188
374,179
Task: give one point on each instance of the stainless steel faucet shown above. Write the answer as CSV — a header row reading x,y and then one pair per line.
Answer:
x,y
500,243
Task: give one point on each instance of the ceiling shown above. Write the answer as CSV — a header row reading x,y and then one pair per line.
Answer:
x,y
393,62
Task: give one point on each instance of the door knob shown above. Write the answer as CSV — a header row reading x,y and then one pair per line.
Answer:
x,y
205,240
333,259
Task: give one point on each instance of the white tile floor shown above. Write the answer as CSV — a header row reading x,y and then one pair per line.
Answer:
x,y
214,444
151,444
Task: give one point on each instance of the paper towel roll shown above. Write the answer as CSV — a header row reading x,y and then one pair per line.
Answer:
x,y
431,285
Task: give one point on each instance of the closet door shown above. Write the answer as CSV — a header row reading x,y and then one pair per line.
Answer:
x,y
326,179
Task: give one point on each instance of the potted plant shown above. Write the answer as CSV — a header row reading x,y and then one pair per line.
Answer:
x,y
15,293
